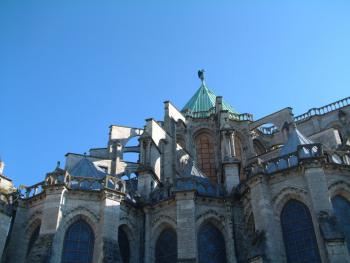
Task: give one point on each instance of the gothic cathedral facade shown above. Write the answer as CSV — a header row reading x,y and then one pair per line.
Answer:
x,y
204,185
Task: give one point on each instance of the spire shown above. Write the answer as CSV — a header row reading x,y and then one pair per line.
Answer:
x,y
295,138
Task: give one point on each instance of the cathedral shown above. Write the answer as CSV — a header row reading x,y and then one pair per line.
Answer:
x,y
206,184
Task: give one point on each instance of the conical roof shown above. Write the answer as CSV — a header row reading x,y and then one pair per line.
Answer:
x,y
85,168
202,102
295,139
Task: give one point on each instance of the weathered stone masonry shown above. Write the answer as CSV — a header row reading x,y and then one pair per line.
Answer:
x,y
207,184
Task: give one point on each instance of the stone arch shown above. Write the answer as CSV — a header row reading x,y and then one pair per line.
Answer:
x,y
68,218
288,193
213,222
299,234
157,232
281,199
206,153
341,209
223,225
159,227
339,188
134,256
32,233
79,240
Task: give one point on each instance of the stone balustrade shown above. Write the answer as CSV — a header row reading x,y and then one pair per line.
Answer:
x,y
323,110
304,152
75,183
241,117
30,191
200,114
338,157
268,130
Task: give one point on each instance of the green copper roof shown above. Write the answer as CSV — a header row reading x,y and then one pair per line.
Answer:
x,y
202,104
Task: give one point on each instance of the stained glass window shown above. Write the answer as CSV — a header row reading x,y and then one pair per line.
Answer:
x,y
211,245
78,243
298,233
33,239
124,246
206,156
342,212
166,247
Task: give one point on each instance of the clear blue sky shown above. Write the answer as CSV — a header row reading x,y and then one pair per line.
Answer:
x,y
69,69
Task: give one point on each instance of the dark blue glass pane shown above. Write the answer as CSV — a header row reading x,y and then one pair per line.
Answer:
x,y
211,245
78,243
166,247
124,246
342,212
298,234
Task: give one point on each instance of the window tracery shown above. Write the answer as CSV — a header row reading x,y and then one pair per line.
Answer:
x,y
298,233
206,155
78,243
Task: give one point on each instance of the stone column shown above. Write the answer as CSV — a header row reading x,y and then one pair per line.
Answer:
x,y
146,183
318,189
265,223
16,249
186,227
317,184
147,246
230,163
51,218
107,240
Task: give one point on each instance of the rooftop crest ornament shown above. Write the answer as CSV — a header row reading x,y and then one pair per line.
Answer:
x,y
201,75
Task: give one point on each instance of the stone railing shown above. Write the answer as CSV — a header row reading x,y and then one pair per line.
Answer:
x,y
30,191
306,151
338,157
109,182
240,117
268,130
200,114
211,111
323,110
75,183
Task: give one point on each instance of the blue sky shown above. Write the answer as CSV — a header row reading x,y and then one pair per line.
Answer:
x,y
69,69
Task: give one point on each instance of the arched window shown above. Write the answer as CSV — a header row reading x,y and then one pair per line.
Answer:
x,y
211,245
206,155
341,208
166,247
124,245
33,239
78,243
298,233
